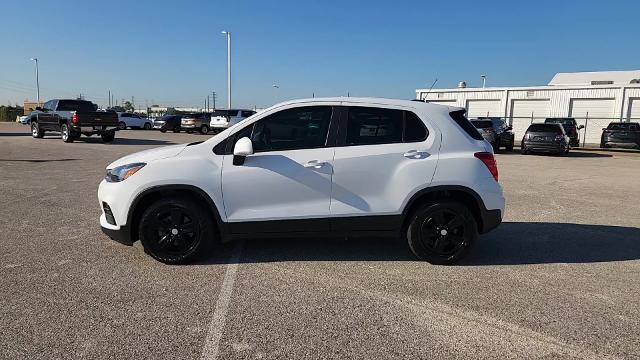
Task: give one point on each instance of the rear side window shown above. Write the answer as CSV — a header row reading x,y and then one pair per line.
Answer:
x,y
461,120
414,129
232,113
370,126
548,128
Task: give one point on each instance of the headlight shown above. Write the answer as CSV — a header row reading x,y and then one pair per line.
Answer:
x,y
121,173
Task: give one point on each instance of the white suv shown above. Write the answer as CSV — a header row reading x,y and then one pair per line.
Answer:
x,y
339,166
222,119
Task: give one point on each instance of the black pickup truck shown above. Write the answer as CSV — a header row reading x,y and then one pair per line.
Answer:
x,y
72,118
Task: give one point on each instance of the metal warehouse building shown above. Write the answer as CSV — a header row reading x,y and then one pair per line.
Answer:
x,y
594,99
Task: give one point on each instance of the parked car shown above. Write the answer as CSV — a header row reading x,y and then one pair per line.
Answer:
x,y
133,121
496,131
570,128
221,119
621,134
72,118
547,137
24,120
394,167
168,122
196,122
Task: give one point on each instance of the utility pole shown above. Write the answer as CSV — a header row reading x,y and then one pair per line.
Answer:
x,y
109,98
228,34
37,81
213,97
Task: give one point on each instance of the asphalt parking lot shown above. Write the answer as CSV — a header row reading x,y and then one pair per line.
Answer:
x,y
560,278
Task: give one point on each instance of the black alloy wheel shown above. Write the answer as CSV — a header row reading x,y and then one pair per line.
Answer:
x,y
441,233
175,230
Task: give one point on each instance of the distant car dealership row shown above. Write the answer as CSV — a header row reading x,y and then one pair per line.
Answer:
x,y
594,99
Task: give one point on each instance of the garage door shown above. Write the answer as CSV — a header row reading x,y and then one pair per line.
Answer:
x,y
523,112
476,108
600,113
634,110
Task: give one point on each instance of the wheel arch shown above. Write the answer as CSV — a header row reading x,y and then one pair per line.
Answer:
x,y
148,196
459,193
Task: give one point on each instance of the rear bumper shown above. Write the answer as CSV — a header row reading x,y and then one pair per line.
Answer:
x,y
545,147
490,220
621,142
94,129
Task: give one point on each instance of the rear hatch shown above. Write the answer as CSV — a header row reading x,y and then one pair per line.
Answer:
x,y
543,133
485,128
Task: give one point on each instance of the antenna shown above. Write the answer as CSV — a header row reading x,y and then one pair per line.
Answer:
x,y
432,85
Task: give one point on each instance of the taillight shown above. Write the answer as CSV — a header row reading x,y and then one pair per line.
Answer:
x,y
74,118
489,161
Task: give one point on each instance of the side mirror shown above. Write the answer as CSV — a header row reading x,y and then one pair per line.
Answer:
x,y
580,127
38,108
242,149
604,128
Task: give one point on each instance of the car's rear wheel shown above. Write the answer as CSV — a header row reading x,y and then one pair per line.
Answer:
x,y
108,136
204,129
122,125
147,126
65,133
176,129
175,230
36,132
441,233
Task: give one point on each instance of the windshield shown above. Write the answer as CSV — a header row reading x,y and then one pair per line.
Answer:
x,y
560,121
482,124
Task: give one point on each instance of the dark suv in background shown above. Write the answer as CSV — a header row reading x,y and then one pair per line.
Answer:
x,y
496,131
545,138
570,128
168,122
622,134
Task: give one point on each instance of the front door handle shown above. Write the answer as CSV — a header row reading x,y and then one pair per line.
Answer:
x,y
415,154
315,164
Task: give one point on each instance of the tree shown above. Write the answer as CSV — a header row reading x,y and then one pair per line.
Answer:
x,y
128,106
171,111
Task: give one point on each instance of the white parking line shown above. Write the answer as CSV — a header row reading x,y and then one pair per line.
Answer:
x,y
216,327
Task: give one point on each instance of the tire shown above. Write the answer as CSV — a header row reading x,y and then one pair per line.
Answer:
x,y
189,131
36,132
65,133
441,233
122,125
509,148
176,129
147,126
204,129
108,136
176,230
495,147
163,130
525,151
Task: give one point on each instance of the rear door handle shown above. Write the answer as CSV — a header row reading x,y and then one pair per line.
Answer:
x,y
415,154
315,164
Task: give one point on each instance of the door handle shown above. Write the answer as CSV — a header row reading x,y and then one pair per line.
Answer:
x,y
315,164
415,154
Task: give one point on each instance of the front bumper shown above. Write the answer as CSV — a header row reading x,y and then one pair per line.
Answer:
x,y
189,126
121,234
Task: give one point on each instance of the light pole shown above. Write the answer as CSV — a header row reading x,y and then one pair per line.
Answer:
x,y
37,81
484,80
228,68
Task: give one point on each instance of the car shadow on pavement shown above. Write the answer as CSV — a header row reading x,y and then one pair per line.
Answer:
x,y
512,243
515,243
15,134
36,160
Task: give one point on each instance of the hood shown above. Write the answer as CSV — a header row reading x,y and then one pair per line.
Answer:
x,y
150,155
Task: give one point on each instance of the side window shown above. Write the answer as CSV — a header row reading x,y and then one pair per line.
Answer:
x,y
292,129
370,126
247,113
232,113
414,129
48,105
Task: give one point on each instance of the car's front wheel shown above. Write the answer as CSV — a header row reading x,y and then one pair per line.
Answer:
x,y
441,233
108,136
204,129
122,125
175,230
36,132
147,126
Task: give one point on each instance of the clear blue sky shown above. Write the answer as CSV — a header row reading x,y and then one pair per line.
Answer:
x,y
172,52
